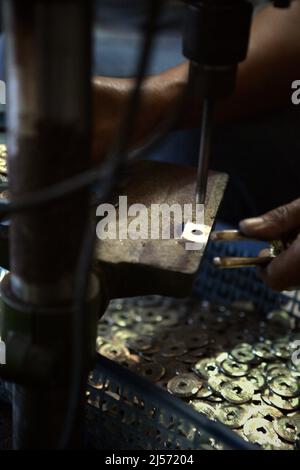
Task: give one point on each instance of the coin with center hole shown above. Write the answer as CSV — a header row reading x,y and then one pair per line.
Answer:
x,y
149,315
276,371
233,368
145,329
114,352
204,408
151,370
103,329
281,350
284,386
243,353
287,428
237,391
141,343
185,385
215,398
169,318
270,413
232,416
260,431
124,334
123,319
222,357
263,351
174,350
206,367
283,403
216,382
99,343
204,392
257,379
195,353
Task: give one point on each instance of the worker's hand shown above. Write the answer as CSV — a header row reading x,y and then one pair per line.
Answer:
x,y
159,98
282,223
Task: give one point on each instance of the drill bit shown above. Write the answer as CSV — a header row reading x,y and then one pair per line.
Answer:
x,y
206,131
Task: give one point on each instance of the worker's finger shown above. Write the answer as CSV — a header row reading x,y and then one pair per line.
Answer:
x,y
283,272
273,224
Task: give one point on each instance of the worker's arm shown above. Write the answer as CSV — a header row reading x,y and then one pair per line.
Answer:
x,y
281,223
264,81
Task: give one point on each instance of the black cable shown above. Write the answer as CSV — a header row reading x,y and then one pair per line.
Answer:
x,y
85,259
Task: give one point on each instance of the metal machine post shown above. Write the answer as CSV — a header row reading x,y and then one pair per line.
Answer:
x,y
48,119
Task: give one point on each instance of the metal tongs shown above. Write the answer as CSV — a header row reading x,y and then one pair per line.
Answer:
x,y
276,247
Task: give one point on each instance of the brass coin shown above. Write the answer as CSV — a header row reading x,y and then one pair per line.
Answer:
x,y
270,413
266,396
173,350
187,359
99,343
281,349
257,400
284,386
195,353
149,315
123,319
204,392
206,367
149,301
275,371
141,343
174,367
185,385
124,334
151,371
103,329
145,329
216,382
114,352
169,318
232,416
237,391
131,361
233,368
243,353
283,403
263,351
257,379
214,398
196,340
204,408
260,431
269,367
287,428
222,357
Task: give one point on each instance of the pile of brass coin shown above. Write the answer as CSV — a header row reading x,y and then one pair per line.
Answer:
x,y
3,157
232,364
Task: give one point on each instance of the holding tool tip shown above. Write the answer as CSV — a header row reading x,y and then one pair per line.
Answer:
x,y
204,153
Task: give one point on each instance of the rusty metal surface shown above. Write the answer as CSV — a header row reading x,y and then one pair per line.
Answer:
x,y
137,267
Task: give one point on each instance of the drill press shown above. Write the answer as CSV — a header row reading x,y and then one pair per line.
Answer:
x,y
215,40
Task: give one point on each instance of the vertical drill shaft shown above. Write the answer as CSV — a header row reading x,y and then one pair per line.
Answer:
x,y
204,154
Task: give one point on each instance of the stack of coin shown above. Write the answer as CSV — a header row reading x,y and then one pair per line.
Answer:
x,y
231,364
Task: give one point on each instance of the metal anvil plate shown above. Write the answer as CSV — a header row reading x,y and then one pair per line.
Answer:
x,y
161,266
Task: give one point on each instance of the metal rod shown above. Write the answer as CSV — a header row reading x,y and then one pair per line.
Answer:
x,y
204,154
230,235
49,81
48,67
236,262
